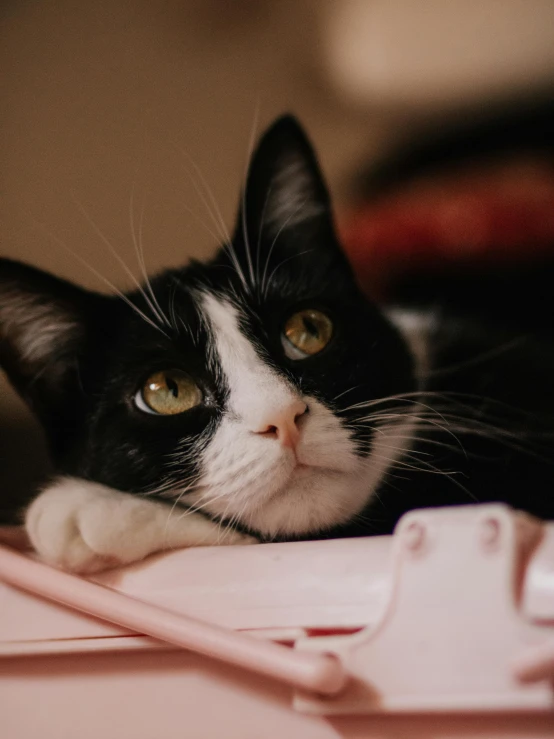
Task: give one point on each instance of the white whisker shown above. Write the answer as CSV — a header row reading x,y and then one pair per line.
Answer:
x,y
265,284
116,256
207,198
244,223
121,295
139,249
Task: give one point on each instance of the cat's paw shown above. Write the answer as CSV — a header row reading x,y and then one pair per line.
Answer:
x,y
85,527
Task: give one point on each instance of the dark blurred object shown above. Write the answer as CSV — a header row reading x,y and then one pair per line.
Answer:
x,y
472,193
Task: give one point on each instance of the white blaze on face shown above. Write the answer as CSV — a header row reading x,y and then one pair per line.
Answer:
x,y
249,476
256,391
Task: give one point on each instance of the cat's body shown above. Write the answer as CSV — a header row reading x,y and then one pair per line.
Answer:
x,y
488,370
262,394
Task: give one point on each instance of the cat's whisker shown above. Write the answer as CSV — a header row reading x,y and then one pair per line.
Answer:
x,y
398,464
207,198
284,261
409,397
420,417
221,524
139,255
451,477
215,237
118,258
171,307
244,222
197,507
119,293
451,397
411,401
428,468
205,193
345,392
422,440
141,260
265,282
230,524
189,487
260,232
444,412
510,441
479,359
469,425
170,486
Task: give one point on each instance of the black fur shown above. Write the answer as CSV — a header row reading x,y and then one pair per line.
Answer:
x,y
492,358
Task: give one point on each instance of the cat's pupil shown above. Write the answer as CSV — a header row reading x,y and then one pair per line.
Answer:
x,y
311,328
172,386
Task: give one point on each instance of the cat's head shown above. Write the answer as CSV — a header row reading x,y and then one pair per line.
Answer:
x,y
239,386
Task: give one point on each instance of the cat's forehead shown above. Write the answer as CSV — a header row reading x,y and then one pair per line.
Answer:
x,y
180,316
201,306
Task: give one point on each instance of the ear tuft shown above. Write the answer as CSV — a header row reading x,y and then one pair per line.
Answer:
x,y
33,329
284,188
291,198
42,328
285,231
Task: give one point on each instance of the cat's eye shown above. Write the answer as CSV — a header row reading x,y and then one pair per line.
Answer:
x,y
306,333
168,393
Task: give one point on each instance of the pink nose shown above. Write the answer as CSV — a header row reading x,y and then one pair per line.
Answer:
x,y
282,423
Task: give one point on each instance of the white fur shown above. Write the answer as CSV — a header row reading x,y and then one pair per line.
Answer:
x,y
257,392
85,527
252,478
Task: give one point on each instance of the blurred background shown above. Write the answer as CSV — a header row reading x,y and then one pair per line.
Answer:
x,y
432,119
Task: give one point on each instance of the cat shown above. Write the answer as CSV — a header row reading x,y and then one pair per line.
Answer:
x,y
262,396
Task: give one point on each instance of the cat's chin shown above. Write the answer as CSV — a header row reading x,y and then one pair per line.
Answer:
x,y
312,500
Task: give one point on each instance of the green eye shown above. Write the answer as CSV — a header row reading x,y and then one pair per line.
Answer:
x,y
306,333
168,393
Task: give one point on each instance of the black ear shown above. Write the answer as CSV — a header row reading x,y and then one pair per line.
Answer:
x,y
43,330
285,210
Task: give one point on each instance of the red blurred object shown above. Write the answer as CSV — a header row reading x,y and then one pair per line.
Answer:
x,y
499,212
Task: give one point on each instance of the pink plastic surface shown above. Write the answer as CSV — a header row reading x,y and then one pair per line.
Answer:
x,y
453,622
321,673
461,615
336,584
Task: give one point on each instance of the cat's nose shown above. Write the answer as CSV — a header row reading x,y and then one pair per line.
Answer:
x,y
282,423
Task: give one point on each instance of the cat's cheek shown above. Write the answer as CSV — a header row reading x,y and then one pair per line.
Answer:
x,y
85,527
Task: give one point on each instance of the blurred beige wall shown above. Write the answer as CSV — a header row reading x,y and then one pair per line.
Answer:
x,y
97,102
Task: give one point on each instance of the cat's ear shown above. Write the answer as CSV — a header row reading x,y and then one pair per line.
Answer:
x,y
43,329
285,208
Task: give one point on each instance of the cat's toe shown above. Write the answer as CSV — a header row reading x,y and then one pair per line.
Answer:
x,y
54,530
66,528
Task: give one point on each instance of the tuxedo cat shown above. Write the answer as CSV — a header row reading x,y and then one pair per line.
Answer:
x,y
262,396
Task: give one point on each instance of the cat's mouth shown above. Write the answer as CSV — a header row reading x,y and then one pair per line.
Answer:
x,y
302,471
302,465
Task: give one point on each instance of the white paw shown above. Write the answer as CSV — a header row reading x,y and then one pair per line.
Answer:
x,y
86,527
